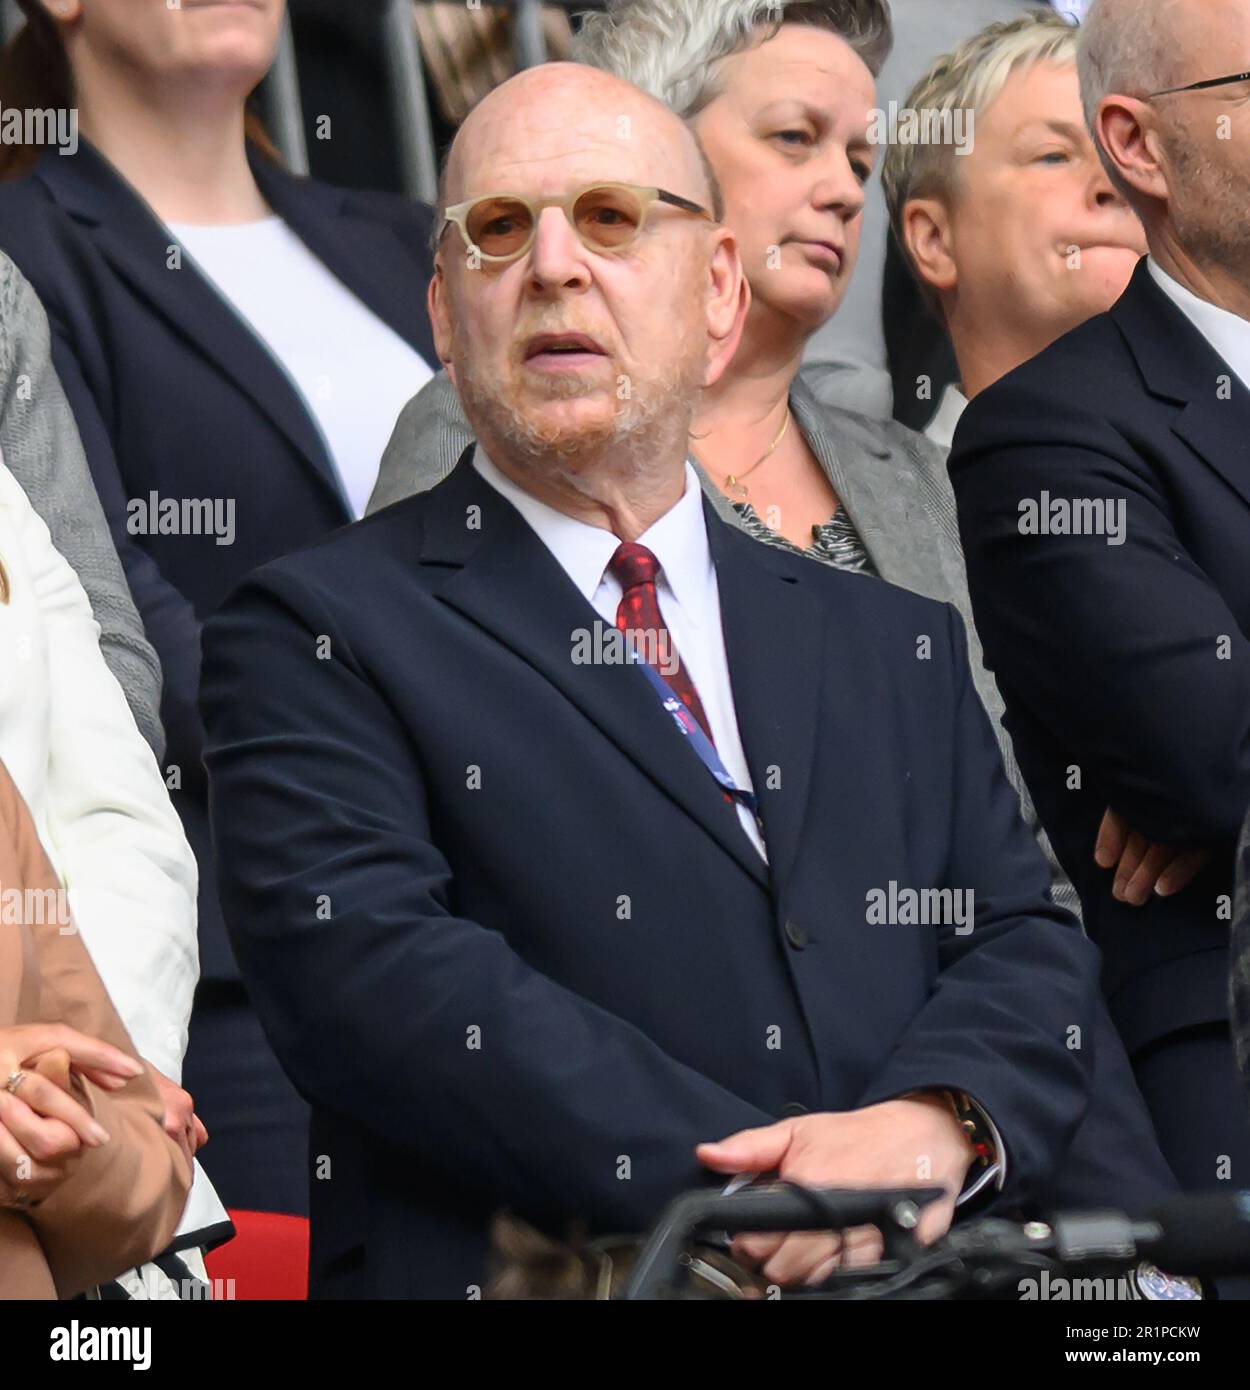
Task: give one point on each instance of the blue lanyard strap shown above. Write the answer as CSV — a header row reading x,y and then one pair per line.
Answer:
x,y
699,741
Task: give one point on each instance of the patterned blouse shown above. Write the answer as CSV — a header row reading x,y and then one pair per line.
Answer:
x,y
834,542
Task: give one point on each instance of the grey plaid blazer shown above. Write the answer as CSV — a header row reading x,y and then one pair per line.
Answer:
x,y
892,481
42,450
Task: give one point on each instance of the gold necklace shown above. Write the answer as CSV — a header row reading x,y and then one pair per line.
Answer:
x,y
733,481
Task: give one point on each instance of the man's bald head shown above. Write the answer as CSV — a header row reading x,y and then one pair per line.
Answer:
x,y
1178,155
548,113
1134,47
573,360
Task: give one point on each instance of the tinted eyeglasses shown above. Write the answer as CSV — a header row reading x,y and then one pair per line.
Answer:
x,y
607,217
1202,86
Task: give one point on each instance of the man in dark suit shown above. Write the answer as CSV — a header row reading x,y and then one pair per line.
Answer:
x,y
1103,490
529,922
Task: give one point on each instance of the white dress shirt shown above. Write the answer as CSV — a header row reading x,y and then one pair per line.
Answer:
x,y
686,590
1228,333
353,372
941,429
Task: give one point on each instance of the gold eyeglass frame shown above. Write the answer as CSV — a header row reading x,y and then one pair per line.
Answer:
x,y
457,215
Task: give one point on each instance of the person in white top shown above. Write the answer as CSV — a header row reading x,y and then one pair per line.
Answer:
x,y
104,817
353,372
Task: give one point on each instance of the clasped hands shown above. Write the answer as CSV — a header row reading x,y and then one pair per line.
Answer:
x,y
45,1124
891,1144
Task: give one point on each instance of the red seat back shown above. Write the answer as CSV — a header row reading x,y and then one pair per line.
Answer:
x,y
267,1259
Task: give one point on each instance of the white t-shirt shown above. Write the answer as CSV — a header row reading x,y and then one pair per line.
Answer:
x,y
354,372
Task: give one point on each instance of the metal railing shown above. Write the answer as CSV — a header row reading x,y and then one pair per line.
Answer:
x,y
409,97
11,20
529,44
280,101
410,105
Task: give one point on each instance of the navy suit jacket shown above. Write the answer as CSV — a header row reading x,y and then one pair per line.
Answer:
x,y
508,938
174,394
1125,667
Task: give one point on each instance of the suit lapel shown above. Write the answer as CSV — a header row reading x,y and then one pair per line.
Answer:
x,y
504,577
773,638
363,252
1178,364
1217,432
136,243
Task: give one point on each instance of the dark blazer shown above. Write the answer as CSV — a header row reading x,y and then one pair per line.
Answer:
x,y
1125,668
894,485
507,937
1239,975
174,394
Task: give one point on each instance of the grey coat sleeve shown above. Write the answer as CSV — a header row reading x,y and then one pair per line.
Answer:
x,y
42,450
929,460
430,435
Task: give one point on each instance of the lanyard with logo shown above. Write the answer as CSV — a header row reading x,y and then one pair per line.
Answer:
x,y
699,741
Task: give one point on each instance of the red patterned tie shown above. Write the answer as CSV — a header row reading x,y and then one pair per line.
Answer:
x,y
639,612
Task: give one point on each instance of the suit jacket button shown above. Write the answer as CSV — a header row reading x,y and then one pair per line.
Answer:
x,y
793,1108
795,935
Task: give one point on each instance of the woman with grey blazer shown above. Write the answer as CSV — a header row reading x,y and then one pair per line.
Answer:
x,y
782,111
40,444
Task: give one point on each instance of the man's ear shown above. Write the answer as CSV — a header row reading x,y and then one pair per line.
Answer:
x,y
440,318
1125,128
729,301
929,242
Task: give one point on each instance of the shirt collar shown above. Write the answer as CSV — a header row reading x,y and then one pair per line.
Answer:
x,y
1228,333
941,429
678,540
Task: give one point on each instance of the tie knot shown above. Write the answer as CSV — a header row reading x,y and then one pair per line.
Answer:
x,y
633,564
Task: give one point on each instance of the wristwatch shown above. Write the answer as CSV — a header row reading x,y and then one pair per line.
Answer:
x,y
973,1123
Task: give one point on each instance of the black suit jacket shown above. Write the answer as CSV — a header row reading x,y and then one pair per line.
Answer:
x,y
174,394
509,940
1125,668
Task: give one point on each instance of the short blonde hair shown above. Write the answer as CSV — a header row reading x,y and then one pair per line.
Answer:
x,y
969,79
